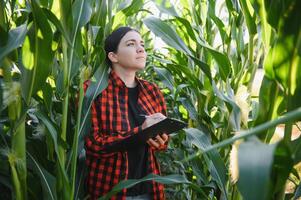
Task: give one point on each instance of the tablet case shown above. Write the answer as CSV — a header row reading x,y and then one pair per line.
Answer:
x,y
168,125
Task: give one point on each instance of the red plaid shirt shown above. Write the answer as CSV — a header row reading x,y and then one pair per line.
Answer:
x,y
110,123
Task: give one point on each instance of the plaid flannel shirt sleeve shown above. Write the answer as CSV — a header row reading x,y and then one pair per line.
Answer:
x,y
97,142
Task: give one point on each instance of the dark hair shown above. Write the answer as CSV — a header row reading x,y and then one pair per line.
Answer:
x,y
112,41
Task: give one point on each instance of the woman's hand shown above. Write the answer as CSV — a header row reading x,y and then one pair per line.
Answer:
x,y
159,142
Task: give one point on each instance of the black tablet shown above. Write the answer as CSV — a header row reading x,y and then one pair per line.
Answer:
x,y
168,125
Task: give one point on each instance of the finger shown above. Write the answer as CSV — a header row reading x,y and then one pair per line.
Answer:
x,y
160,140
151,142
164,137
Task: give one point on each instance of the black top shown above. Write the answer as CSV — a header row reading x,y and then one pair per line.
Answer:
x,y
138,157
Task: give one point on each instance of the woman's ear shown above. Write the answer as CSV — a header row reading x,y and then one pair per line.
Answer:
x,y
113,57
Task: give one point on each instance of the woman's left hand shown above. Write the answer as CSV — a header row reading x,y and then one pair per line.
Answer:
x,y
159,142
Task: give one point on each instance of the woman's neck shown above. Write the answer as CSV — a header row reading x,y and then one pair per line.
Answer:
x,y
127,76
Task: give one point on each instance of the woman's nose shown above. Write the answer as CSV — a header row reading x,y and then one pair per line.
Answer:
x,y
140,49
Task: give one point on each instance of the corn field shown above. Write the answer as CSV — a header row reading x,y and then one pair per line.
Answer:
x,y
231,69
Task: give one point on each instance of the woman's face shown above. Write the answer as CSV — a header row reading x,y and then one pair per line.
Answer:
x,y
130,53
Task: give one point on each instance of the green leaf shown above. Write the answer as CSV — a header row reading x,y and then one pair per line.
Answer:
x,y
267,173
235,113
1,98
213,159
43,3
281,12
135,6
219,23
99,16
168,10
221,59
3,22
63,10
170,37
270,99
52,130
51,17
189,29
265,27
296,149
167,33
170,179
98,83
197,170
47,96
178,90
37,54
204,66
80,179
15,39
47,180
255,161
82,12
187,103
284,58
166,77
6,181
282,166
250,20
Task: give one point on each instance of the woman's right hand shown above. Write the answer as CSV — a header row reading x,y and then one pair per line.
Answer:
x,y
152,119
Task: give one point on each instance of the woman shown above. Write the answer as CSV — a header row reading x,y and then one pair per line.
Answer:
x,y
127,106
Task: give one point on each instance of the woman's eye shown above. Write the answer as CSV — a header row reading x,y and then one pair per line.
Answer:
x,y
142,45
130,44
